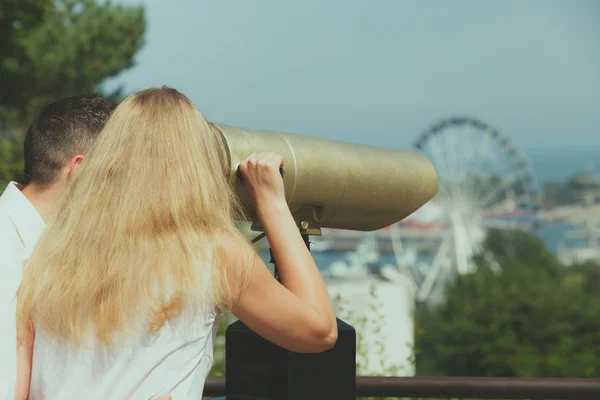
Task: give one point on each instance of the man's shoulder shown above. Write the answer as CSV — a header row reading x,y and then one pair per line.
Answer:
x,y
6,193
11,246
7,227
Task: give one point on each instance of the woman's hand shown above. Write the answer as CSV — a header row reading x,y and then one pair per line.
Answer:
x,y
263,180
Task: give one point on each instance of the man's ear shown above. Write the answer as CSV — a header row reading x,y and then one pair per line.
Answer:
x,y
74,164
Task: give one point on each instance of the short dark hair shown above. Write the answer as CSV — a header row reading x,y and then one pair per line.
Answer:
x,y
62,130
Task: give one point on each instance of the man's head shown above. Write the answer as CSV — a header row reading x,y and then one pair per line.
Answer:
x,y
61,135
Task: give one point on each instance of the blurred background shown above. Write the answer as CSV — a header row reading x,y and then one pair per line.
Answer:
x,y
499,275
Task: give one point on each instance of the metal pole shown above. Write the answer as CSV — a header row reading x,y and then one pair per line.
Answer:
x,y
482,388
439,387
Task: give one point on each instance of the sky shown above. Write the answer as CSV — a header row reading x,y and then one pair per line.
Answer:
x,y
382,72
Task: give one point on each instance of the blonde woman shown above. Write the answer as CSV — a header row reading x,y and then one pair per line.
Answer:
x,y
122,294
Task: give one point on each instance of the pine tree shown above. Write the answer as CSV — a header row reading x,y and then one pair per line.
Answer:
x,y
73,50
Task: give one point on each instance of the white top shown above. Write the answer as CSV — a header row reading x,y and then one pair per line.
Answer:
x,y
20,228
176,360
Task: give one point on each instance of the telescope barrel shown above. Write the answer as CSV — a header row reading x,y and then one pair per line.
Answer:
x,y
333,184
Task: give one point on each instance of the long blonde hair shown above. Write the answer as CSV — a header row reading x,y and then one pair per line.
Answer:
x,y
132,236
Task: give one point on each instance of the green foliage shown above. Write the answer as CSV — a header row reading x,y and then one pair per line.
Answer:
x,y
16,15
588,276
17,18
11,160
78,45
537,318
218,368
515,246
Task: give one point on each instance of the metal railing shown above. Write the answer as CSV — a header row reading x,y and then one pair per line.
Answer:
x,y
461,387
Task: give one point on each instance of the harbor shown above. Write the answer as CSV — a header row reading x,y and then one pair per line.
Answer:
x,y
563,230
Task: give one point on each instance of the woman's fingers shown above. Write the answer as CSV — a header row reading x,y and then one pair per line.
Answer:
x,y
261,172
269,162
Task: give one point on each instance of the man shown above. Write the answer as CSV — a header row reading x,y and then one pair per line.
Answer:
x,y
55,145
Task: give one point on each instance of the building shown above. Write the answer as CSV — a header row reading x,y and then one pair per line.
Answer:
x,y
586,188
382,313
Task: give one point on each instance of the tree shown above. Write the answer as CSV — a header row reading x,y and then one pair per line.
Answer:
x,y
11,160
52,49
537,318
587,275
78,45
17,17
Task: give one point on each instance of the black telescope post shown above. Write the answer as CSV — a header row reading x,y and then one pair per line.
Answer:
x,y
257,369
275,270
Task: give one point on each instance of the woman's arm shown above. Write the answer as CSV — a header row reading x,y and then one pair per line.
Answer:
x,y
297,315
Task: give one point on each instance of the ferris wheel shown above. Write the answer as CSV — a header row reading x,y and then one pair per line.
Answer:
x,y
485,181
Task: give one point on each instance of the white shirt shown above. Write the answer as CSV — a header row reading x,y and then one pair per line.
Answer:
x,y
20,228
176,360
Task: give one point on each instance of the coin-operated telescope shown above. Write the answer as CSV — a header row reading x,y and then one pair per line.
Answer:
x,y
332,184
328,184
